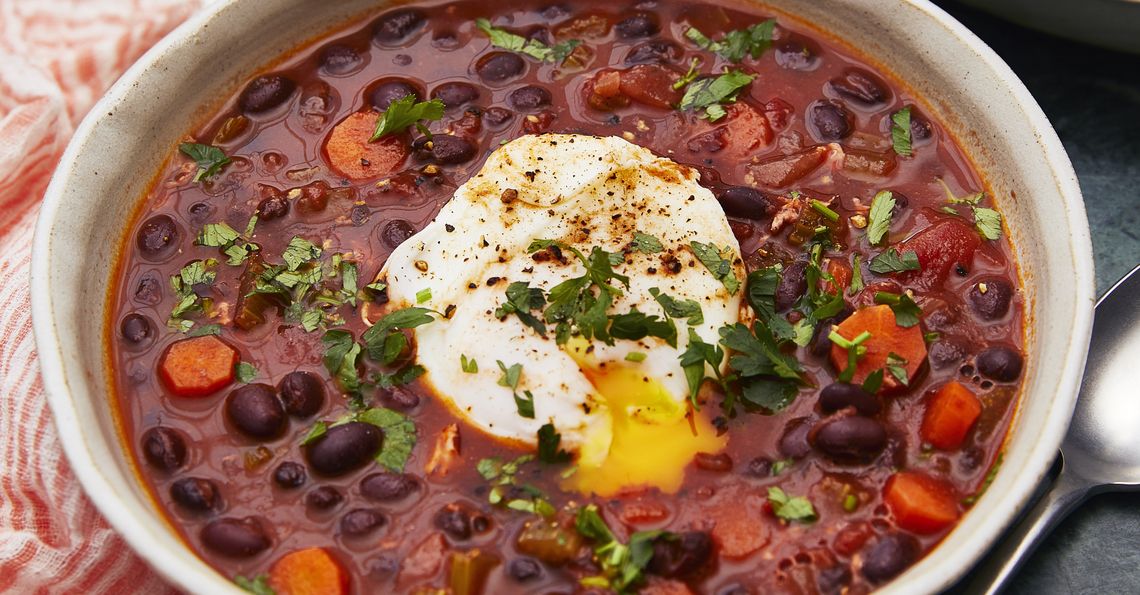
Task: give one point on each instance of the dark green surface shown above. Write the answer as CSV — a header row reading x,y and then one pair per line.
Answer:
x,y
1092,97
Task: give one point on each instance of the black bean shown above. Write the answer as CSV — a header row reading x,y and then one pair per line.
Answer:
x,y
445,42
834,578
272,207
323,498
759,467
920,128
654,52
829,122
385,92
850,438
395,232
529,97
255,411
797,53
794,442
361,521
194,493
387,487
359,214
399,399
993,303
681,556
792,285
638,25
455,95
302,394
200,212
455,520
820,343
340,59
265,93
840,395
889,556
524,569
717,463
164,448
290,475
157,237
445,149
136,329
235,538
946,353
499,67
344,448
148,291
745,202
394,26
496,117
999,363
901,202
554,12
861,87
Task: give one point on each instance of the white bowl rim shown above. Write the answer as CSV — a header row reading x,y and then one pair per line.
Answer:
x,y
920,578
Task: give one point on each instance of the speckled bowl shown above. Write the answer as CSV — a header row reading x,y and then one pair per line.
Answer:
x,y
107,168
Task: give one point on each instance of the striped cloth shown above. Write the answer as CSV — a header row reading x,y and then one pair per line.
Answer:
x,y
57,57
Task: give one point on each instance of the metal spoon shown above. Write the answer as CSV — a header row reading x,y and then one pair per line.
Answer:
x,y
1101,451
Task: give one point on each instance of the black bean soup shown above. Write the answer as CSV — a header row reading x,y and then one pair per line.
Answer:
x,y
877,267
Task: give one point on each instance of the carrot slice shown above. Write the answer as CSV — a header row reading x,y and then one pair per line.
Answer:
x,y
198,366
950,415
311,571
353,156
887,337
920,503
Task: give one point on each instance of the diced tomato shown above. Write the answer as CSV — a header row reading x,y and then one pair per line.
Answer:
x,y
920,503
745,129
664,586
607,83
784,171
311,571
940,247
424,559
852,537
840,270
353,156
198,366
778,113
868,163
949,416
651,84
887,337
739,528
643,511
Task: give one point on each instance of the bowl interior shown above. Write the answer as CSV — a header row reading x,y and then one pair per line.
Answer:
x,y
139,123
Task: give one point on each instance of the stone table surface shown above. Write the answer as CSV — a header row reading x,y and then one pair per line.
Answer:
x,y
1092,97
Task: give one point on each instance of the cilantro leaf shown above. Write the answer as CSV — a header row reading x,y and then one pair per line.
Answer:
x,y
893,262
856,275
341,353
714,260
245,372
689,76
521,300
525,404
737,44
549,441
696,356
298,252
383,343
790,509
400,377
258,585
405,112
511,375
882,206
216,235
988,223
530,47
399,436
896,366
675,308
643,242
709,93
907,313
315,433
469,366
873,382
636,325
900,131
210,159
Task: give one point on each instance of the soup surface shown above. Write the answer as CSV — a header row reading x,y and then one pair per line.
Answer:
x,y
710,305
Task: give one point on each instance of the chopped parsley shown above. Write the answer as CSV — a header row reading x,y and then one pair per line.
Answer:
x,y
298,252
469,366
696,356
893,262
315,433
217,235
405,112
522,299
790,509
198,272
510,379
643,242
210,159
399,435
675,308
907,313
636,325
623,566
690,76
882,206
502,475
525,404
258,585
245,372
718,262
737,44
530,47
400,377
900,131
549,441
384,343
769,379
709,93
856,275
896,366
205,329
340,359
987,221
873,382
573,303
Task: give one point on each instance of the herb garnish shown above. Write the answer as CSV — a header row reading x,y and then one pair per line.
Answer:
x,y
405,112
510,379
769,379
643,242
882,206
896,365
210,159
900,131
469,366
198,272
549,441
987,221
530,47
907,312
854,348
258,585
675,308
521,300
573,303
856,275
502,475
709,93
636,325
737,44
623,565
893,262
790,509
696,356
245,372
719,262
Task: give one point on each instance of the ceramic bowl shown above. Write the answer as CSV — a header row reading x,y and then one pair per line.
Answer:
x,y
108,166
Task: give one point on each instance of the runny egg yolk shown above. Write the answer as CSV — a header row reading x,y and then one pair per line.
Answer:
x,y
653,436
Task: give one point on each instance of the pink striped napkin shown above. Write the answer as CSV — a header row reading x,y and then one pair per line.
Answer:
x,y
56,58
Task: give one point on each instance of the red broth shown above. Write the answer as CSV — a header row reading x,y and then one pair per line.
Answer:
x,y
886,475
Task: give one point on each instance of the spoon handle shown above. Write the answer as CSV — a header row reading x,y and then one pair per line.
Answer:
x,y
1014,548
